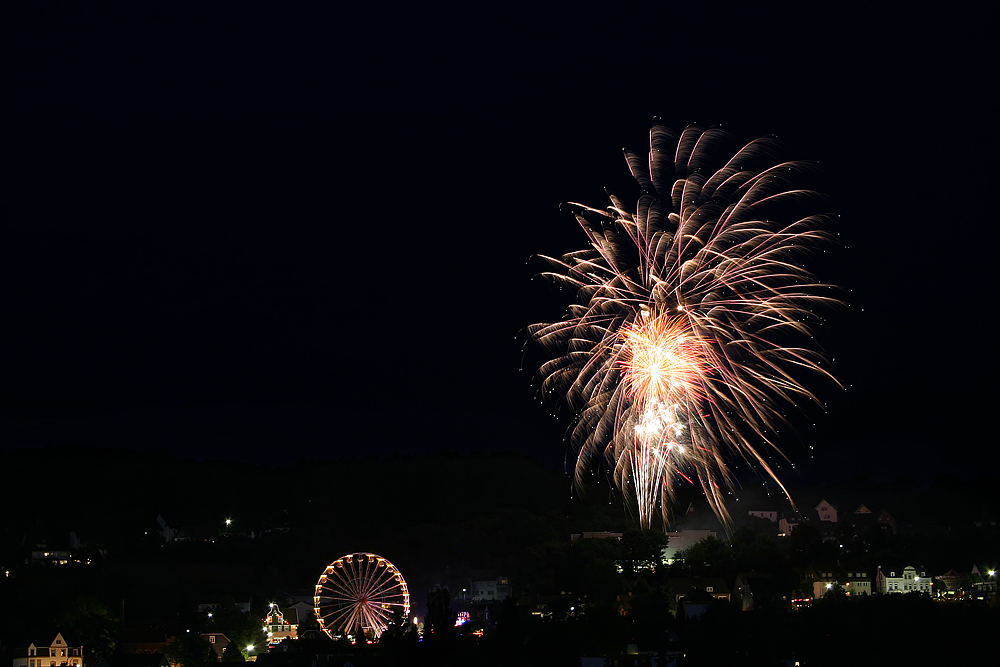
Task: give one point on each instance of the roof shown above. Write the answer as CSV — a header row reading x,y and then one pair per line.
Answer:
x,y
47,639
699,516
697,596
683,585
838,571
887,569
766,585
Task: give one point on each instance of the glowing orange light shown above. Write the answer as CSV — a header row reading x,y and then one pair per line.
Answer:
x,y
662,360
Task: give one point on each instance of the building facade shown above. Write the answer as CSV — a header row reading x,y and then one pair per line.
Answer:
x,y
822,579
57,654
826,511
904,580
491,590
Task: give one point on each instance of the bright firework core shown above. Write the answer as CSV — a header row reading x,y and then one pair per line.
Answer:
x,y
662,360
664,370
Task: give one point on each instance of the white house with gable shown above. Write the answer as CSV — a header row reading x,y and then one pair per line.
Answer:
x,y
57,654
904,580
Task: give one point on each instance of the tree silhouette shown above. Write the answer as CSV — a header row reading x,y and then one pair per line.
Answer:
x,y
90,620
189,650
440,620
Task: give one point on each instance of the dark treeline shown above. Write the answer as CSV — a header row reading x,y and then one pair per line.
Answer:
x,y
444,520
436,518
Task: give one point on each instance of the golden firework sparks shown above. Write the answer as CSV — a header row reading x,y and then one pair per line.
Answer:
x,y
681,341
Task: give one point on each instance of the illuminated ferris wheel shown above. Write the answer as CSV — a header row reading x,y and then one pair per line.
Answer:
x,y
360,591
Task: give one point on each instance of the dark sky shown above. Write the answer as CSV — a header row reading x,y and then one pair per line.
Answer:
x,y
262,233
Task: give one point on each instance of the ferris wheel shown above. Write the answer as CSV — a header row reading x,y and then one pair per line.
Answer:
x,y
360,591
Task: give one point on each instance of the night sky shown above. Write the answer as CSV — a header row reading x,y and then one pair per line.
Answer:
x,y
264,234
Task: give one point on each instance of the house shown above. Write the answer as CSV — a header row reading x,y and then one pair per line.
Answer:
x,y
211,607
770,515
716,587
857,582
141,641
826,511
42,555
490,590
897,579
300,612
860,520
218,641
682,539
787,524
984,586
951,581
760,591
887,520
279,626
549,606
695,603
597,534
58,653
822,578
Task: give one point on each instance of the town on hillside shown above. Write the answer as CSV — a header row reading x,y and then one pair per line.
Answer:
x,y
257,567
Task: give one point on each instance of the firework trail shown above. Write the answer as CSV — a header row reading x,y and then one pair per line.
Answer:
x,y
681,342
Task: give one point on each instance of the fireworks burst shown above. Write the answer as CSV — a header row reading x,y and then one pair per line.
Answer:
x,y
681,342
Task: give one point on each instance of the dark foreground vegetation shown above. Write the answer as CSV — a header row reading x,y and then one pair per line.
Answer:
x,y
443,521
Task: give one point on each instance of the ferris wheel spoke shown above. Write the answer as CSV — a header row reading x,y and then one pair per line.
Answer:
x,y
384,580
347,589
382,616
367,589
359,612
378,616
336,618
371,621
